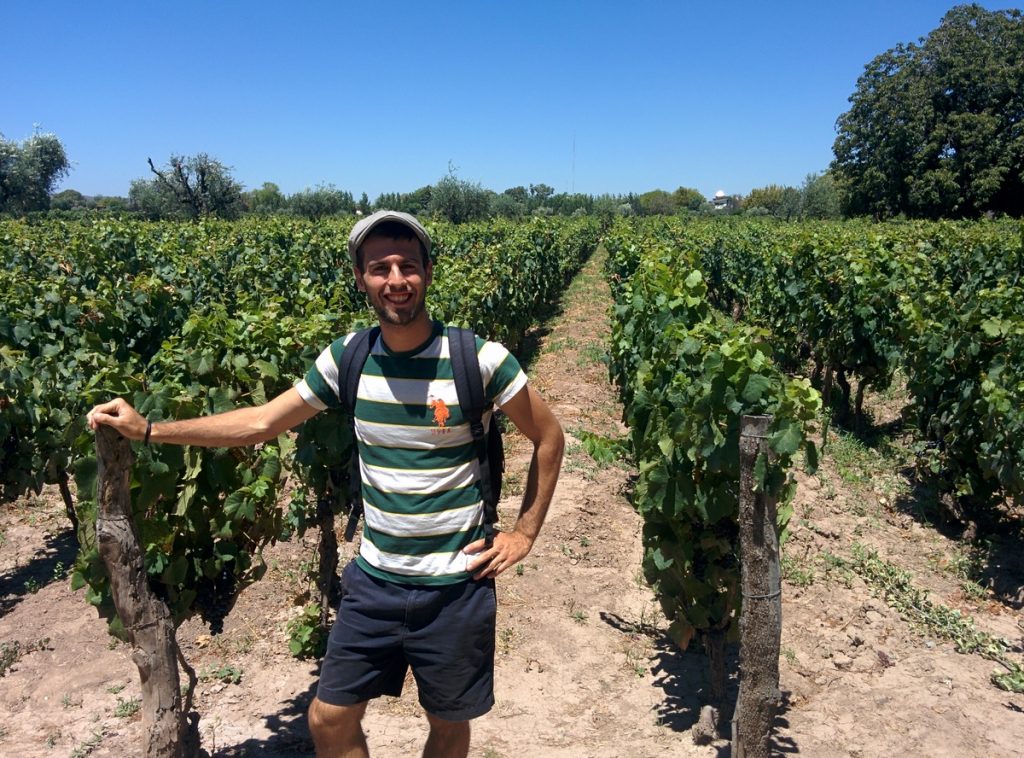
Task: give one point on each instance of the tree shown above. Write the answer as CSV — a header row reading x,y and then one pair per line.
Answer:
x,y
778,201
266,200
507,206
68,200
188,187
656,202
687,198
459,200
29,172
415,202
934,128
820,198
540,193
324,200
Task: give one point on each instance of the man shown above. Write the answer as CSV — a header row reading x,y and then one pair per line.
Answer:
x,y
421,593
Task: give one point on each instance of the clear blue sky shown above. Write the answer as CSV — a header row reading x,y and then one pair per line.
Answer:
x,y
374,98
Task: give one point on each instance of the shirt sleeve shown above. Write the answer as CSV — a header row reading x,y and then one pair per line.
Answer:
x,y
503,376
319,387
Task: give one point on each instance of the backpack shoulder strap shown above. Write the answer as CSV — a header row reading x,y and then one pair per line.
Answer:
x,y
469,386
350,368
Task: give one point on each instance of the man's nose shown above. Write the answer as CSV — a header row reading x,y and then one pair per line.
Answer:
x,y
395,275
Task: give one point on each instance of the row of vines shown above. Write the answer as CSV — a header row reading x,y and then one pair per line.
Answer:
x,y
687,375
941,304
192,319
714,318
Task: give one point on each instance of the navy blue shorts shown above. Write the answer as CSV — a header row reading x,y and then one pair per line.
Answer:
x,y
444,633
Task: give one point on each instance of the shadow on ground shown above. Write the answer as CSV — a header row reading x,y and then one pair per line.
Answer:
x,y
49,564
290,738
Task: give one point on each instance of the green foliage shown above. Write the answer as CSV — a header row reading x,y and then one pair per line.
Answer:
x,y
820,197
933,129
604,449
266,201
416,202
127,708
306,637
188,187
780,202
193,319
321,202
687,375
225,672
931,618
458,200
29,172
940,301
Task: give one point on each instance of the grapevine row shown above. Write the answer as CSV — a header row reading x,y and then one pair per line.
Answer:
x,y
190,319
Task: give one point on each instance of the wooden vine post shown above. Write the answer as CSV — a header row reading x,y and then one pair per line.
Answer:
x,y
145,617
761,616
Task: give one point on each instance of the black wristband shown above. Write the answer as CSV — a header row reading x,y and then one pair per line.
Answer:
x,y
149,431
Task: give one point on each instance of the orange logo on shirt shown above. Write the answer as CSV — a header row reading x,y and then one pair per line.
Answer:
x,y
441,412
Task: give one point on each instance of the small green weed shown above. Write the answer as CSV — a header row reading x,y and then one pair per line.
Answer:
x,y
592,352
576,613
306,638
86,747
115,688
796,573
12,652
126,708
605,450
928,617
224,673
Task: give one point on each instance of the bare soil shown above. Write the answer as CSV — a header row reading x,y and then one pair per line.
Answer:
x,y
584,667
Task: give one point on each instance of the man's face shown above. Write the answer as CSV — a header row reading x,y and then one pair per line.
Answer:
x,y
394,279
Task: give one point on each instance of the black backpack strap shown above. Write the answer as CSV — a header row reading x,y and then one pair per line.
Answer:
x,y
469,386
350,368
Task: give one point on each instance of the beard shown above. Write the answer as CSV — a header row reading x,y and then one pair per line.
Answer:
x,y
390,314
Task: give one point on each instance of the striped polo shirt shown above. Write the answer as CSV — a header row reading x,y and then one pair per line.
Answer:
x,y
421,492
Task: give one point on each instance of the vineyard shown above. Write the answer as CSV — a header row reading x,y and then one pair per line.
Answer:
x,y
711,320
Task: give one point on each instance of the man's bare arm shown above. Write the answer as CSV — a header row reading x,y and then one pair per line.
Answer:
x,y
531,415
237,428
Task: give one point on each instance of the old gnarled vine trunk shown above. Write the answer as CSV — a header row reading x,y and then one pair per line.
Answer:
x,y
145,617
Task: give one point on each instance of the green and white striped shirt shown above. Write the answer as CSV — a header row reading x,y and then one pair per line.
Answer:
x,y
421,492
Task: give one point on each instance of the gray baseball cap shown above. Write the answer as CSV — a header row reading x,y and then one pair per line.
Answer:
x,y
366,225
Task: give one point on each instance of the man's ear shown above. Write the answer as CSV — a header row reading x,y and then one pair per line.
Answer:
x,y
360,284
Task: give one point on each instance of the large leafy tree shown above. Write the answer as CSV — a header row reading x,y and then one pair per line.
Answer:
x,y
322,201
458,200
936,128
188,187
29,172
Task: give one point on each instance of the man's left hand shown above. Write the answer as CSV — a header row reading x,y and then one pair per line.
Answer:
x,y
509,548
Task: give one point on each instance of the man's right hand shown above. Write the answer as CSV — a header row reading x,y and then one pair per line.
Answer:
x,y
120,415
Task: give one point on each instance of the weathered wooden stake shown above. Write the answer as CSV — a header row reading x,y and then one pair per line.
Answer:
x,y
761,617
146,618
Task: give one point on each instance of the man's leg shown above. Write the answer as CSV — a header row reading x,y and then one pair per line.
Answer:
x,y
336,730
448,739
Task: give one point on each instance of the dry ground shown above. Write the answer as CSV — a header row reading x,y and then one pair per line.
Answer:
x,y
583,668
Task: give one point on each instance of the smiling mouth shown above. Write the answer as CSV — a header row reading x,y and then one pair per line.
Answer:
x,y
398,298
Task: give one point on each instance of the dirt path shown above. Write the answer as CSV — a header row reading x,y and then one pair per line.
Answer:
x,y
583,667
